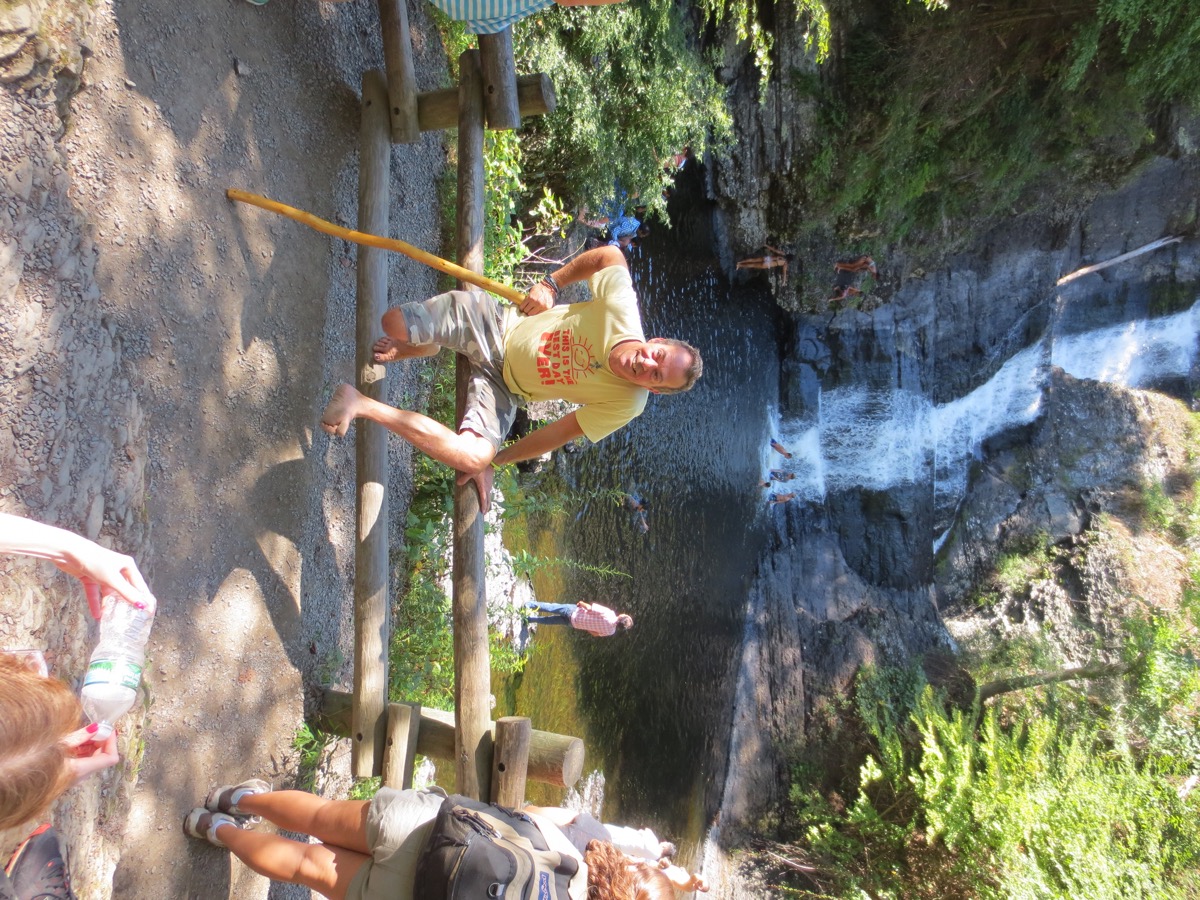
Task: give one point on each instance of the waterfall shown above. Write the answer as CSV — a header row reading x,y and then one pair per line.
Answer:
x,y
878,438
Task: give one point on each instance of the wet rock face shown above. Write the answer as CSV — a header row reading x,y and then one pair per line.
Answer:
x,y
884,535
1094,449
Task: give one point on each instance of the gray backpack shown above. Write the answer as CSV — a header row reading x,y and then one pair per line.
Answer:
x,y
481,850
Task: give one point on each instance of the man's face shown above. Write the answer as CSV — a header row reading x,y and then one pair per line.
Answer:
x,y
653,364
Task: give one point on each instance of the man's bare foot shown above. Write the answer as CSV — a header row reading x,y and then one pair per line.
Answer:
x,y
386,350
341,410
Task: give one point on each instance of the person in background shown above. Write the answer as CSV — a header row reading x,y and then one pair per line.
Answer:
x,y
847,275
774,258
639,843
593,618
574,823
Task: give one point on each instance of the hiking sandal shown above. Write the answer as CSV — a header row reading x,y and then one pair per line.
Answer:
x,y
202,824
224,799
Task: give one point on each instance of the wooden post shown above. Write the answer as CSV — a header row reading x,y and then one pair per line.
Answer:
x,y
403,726
499,80
472,662
401,77
510,762
437,110
553,758
372,607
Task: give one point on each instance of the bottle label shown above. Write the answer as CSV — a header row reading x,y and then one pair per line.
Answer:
x,y
115,672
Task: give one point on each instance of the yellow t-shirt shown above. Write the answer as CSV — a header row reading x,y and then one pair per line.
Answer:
x,y
562,354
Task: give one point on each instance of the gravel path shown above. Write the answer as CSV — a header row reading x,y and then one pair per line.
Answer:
x,y
164,358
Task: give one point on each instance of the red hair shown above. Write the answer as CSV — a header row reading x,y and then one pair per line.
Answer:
x,y
37,713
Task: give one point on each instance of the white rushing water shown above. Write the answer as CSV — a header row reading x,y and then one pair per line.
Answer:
x,y
879,439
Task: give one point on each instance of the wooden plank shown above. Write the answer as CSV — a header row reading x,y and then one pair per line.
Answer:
x,y
553,758
401,77
510,761
500,105
403,728
472,660
372,607
437,110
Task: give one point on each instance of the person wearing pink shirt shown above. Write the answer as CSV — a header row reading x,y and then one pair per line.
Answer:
x,y
590,617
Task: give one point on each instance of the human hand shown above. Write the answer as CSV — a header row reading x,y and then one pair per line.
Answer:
x,y
86,756
681,878
104,572
483,484
539,299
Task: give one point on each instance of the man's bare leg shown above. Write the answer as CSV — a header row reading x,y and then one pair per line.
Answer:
x,y
394,345
327,868
464,451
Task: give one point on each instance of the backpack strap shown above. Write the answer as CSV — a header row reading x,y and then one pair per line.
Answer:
x,y
556,840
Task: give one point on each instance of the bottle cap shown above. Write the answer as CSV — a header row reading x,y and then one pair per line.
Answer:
x,y
102,732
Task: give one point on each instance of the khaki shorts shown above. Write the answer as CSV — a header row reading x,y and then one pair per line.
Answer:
x,y
398,824
473,324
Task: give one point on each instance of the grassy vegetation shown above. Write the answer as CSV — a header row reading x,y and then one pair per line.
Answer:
x,y
1050,793
1027,106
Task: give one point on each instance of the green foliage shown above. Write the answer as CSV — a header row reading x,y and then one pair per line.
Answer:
x,y
744,17
1017,569
1157,39
1045,103
422,649
1067,791
526,564
506,237
631,91
534,499
1157,509
1021,806
364,788
311,746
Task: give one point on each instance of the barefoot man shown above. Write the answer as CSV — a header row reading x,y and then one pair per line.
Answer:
x,y
593,354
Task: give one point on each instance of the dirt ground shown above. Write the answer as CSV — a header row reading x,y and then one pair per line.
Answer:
x,y
164,358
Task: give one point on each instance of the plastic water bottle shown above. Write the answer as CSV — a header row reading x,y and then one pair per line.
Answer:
x,y
113,676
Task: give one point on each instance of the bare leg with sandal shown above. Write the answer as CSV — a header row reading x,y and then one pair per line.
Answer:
x,y
328,867
375,842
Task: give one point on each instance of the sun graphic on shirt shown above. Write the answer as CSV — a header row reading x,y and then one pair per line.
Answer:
x,y
561,359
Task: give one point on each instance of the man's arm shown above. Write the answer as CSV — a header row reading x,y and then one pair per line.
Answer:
x,y
533,445
543,440
541,296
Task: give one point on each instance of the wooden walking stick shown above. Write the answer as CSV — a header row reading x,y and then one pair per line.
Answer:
x,y
373,240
